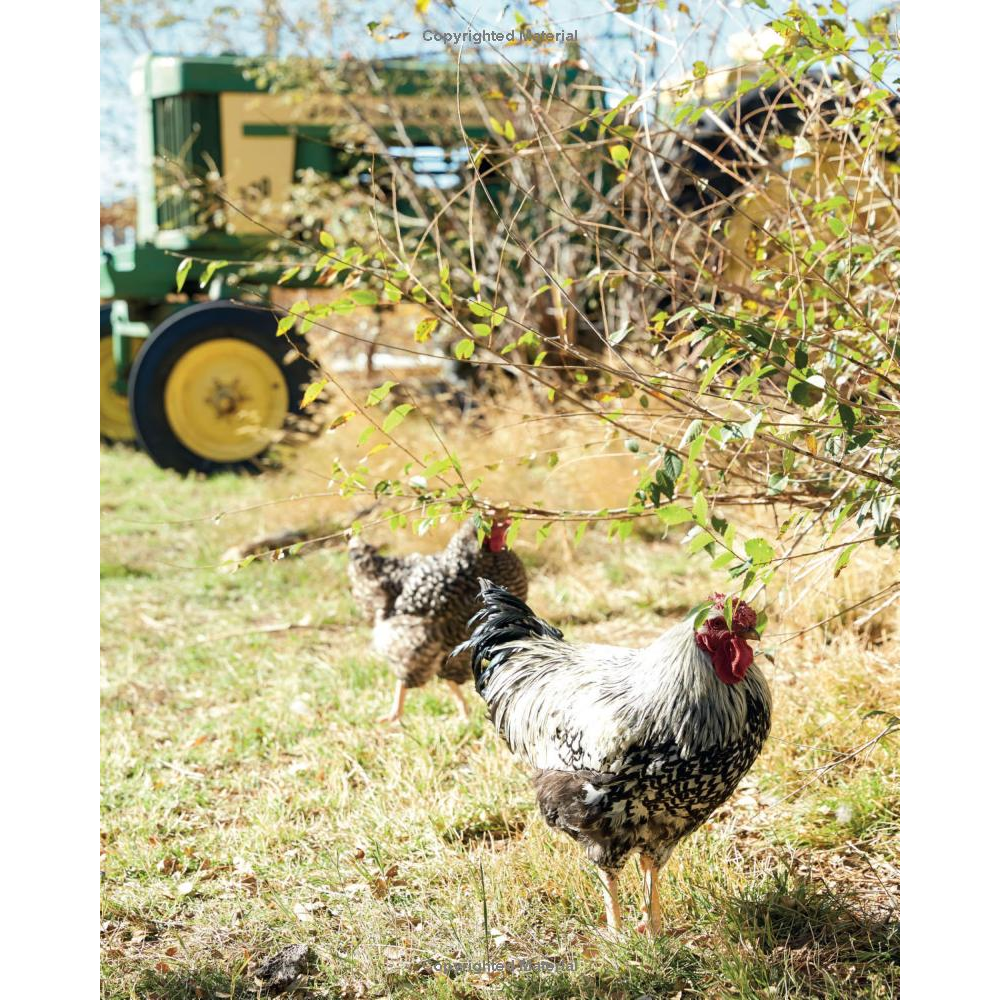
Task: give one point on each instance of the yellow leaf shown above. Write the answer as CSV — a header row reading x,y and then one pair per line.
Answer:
x,y
312,391
424,329
342,419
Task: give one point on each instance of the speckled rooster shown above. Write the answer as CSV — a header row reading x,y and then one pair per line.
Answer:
x,y
421,605
633,749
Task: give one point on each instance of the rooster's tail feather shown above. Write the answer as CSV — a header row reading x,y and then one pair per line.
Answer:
x,y
503,619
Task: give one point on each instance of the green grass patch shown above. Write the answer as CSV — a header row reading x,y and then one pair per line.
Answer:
x,y
250,802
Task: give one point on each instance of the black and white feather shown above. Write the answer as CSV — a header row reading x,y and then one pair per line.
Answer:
x,y
632,748
420,604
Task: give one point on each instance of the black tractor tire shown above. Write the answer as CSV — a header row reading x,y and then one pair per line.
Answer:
x,y
170,342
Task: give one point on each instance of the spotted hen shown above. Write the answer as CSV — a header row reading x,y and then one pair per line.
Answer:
x,y
420,604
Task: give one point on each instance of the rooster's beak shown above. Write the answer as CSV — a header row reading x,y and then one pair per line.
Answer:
x,y
749,633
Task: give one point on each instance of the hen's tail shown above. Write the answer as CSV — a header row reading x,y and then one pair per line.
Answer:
x,y
499,628
376,580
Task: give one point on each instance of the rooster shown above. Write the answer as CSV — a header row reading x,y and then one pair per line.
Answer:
x,y
633,749
420,605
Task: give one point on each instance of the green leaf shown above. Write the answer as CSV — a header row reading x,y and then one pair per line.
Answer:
x,y
620,154
436,468
700,613
182,272
776,483
464,348
672,465
326,239
312,391
693,430
513,531
847,417
365,297
806,392
210,269
699,509
377,395
700,541
758,551
843,559
673,514
396,417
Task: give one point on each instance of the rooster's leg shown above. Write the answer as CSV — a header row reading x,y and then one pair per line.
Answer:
x,y
650,923
456,693
611,904
396,712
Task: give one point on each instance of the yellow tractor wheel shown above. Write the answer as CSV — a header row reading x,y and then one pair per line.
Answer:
x,y
116,422
212,387
226,399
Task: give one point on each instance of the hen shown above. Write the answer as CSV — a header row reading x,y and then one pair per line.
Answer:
x,y
633,749
421,605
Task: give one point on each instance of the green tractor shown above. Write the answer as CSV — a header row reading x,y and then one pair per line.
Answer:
x,y
196,376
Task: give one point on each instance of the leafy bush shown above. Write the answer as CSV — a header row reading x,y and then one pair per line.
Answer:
x,y
707,269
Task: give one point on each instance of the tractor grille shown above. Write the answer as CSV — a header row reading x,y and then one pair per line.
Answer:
x,y
187,138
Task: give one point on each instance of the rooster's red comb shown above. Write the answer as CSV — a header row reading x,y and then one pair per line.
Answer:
x,y
744,617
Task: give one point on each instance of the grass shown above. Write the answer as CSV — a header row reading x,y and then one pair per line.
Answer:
x,y
249,802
